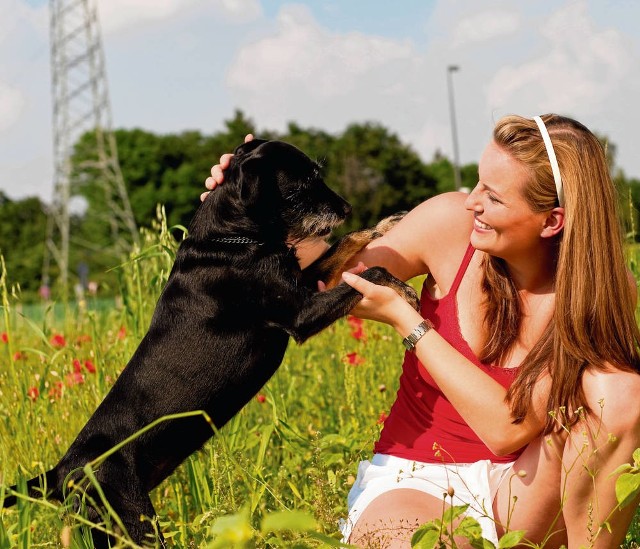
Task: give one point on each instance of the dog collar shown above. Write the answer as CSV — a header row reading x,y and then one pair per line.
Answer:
x,y
236,240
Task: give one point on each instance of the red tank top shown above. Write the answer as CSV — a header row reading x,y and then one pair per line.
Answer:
x,y
422,419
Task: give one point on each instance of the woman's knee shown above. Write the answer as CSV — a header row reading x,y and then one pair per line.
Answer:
x,y
612,397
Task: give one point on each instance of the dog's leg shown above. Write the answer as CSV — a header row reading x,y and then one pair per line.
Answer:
x,y
137,514
329,267
139,518
323,308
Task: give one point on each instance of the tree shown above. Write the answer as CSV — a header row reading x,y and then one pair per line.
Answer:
x,y
22,239
366,163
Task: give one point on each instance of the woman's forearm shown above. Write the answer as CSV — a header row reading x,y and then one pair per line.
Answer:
x,y
478,398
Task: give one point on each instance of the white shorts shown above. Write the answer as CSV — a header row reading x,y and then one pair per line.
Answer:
x,y
473,483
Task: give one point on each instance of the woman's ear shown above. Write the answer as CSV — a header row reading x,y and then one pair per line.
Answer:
x,y
553,223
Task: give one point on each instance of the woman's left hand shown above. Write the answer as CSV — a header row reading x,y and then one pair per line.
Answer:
x,y
380,303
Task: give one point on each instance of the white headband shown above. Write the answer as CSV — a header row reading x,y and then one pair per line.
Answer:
x,y
552,159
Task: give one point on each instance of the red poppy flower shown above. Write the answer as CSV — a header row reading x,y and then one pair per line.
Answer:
x,y
33,393
357,330
353,358
56,390
122,333
58,341
383,417
89,366
77,366
17,356
76,378
4,337
261,398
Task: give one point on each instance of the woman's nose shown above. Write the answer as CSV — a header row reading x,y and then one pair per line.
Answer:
x,y
472,202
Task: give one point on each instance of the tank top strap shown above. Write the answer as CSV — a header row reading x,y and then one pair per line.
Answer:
x,y
462,269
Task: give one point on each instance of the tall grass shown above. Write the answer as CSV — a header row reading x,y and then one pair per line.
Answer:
x,y
276,476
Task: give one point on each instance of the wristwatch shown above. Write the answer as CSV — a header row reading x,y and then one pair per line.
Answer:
x,y
410,341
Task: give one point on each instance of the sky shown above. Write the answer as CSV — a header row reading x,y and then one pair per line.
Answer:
x,y
176,65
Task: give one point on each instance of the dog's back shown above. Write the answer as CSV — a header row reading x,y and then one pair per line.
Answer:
x,y
219,330
211,343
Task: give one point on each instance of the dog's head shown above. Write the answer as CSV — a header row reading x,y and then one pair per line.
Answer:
x,y
274,191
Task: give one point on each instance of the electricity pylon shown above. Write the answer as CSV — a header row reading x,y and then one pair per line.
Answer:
x,y
81,104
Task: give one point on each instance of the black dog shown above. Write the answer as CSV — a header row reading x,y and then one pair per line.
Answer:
x,y
219,330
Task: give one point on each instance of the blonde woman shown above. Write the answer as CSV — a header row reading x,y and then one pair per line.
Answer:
x,y
528,309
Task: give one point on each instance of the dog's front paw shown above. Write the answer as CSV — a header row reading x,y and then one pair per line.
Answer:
x,y
379,275
409,295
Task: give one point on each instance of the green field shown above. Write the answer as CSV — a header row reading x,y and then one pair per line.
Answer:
x,y
276,476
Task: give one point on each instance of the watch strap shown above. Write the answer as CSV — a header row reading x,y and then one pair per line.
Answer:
x,y
410,341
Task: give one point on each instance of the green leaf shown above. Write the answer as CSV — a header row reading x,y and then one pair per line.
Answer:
x,y
454,512
636,457
621,469
481,543
297,521
426,537
511,539
327,541
469,528
232,528
627,488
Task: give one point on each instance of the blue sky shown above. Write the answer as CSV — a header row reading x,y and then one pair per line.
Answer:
x,y
175,65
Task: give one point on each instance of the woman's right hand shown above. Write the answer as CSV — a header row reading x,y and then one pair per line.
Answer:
x,y
217,171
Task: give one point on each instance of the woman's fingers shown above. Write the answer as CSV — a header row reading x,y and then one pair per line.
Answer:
x,y
359,268
225,160
217,171
357,282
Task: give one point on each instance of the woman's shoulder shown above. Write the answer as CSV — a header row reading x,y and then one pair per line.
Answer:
x,y
443,213
434,232
449,226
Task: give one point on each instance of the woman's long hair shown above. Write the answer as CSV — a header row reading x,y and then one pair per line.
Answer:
x,y
594,321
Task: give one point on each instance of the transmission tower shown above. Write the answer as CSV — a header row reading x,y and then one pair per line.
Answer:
x,y
81,104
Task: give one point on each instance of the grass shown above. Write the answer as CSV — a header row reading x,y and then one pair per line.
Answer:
x,y
276,476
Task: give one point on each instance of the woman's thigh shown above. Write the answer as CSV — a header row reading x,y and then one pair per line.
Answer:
x,y
529,499
390,520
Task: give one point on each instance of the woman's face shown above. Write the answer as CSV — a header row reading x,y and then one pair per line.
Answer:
x,y
504,225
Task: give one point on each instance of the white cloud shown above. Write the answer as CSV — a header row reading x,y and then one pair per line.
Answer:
x,y
242,10
485,26
118,15
306,66
19,18
579,69
176,64
11,105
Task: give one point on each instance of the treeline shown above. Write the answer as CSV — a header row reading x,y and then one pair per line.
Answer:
x,y
366,163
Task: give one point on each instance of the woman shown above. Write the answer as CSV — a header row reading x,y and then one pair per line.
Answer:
x,y
529,309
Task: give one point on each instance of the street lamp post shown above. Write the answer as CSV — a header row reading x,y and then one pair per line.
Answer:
x,y
454,132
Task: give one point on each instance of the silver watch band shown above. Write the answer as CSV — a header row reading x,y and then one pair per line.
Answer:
x,y
410,341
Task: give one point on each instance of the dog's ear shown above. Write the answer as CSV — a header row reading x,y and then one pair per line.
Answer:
x,y
246,148
249,163
248,185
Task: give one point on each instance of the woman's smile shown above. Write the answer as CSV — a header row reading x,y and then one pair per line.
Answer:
x,y
480,225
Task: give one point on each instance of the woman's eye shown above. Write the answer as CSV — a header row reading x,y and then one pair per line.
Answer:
x,y
493,199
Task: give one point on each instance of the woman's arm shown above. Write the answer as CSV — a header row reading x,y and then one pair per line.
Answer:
x,y
478,398
429,235
431,238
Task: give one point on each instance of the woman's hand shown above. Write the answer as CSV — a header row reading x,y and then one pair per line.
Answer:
x,y
217,172
381,303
